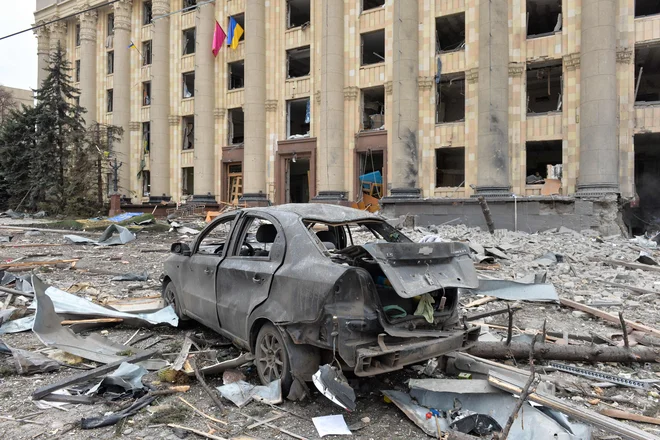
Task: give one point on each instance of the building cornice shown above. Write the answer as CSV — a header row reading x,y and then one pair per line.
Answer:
x,y
516,69
624,55
572,61
351,92
472,75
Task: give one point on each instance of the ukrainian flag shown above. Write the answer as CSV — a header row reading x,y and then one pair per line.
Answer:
x,y
234,34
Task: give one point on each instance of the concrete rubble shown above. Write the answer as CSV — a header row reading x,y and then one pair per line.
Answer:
x,y
567,286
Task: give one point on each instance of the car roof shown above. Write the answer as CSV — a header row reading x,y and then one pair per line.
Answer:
x,y
322,212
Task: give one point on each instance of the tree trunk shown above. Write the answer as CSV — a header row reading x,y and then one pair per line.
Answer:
x,y
580,353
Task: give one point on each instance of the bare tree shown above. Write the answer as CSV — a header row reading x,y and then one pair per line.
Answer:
x,y
7,102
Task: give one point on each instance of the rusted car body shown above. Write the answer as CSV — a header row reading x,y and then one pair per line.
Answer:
x,y
295,274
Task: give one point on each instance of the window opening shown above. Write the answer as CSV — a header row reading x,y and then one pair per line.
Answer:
x,y
189,41
235,120
111,62
187,180
298,62
146,136
298,13
450,33
146,53
372,4
236,75
108,100
77,70
647,73
544,88
298,118
146,93
146,183
215,240
77,34
297,175
543,17
370,176
373,47
544,161
188,84
450,99
373,108
257,238
450,167
146,13
188,142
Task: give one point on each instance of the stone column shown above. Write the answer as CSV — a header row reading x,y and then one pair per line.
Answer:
x,y
43,52
599,161
121,112
330,158
404,157
88,65
254,162
204,105
159,154
493,100
57,35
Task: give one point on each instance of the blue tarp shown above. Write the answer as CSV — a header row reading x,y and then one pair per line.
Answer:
x,y
124,216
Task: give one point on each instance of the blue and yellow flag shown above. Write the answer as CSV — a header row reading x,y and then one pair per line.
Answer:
x,y
234,33
132,45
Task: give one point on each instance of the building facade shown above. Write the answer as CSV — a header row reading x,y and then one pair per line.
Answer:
x,y
445,98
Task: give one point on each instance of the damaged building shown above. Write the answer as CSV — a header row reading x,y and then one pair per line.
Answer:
x,y
317,101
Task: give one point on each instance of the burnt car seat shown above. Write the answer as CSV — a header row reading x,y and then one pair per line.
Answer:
x,y
328,239
265,234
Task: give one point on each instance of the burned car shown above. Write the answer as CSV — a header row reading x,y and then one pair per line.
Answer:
x,y
291,284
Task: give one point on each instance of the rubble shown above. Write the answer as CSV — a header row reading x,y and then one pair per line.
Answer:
x,y
594,272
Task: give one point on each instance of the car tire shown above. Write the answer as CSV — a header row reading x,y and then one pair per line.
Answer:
x,y
171,297
272,357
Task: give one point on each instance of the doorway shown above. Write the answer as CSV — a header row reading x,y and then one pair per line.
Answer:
x,y
370,173
297,175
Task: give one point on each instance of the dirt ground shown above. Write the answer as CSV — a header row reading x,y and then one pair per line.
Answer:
x,y
578,277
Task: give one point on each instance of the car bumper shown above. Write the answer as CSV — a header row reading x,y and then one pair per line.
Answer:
x,y
386,357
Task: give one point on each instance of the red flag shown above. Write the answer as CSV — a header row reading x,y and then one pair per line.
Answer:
x,y
218,38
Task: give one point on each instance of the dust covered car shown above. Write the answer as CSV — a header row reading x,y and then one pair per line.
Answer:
x,y
300,285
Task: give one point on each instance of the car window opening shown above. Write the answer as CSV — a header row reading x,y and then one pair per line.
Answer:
x,y
257,239
213,243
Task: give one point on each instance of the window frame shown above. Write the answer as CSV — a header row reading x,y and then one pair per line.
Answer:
x,y
232,217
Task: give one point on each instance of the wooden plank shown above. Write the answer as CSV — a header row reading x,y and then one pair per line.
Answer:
x,y
627,432
607,316
630,265
91,321
196,431
631,288
213,419
480,301
624,415
37,263
78,378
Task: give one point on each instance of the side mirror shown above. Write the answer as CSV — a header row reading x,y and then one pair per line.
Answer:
x,y
181,248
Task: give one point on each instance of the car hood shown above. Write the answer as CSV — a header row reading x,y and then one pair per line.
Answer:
x,y
414,269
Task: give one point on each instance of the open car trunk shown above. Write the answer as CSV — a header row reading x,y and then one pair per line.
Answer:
x,y
404,273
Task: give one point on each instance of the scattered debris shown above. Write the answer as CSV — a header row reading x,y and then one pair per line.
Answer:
x,y
107,239
624,415
144,276
514,291
330,381
241,393
331,425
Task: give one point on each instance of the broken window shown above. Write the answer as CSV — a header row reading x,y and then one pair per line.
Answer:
x,y
450,99
146,136
111,62
370,175
187,180
373,47
189,3
188,84
188,142
297,118
77,34
646,7
373,108
235,125
110,24
236,74
214,239
298,13
540,155
146,53
77,70
543,17
146,13
450,32
544,88
109,95
450,167
647,73
189,41
298,62
234,189
372,4
146,93
257,238
146,183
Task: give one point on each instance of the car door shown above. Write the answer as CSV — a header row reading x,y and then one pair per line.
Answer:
x,y
199,284
244,280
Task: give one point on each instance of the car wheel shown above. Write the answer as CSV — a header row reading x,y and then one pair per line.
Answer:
x,y
271,357
171,298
